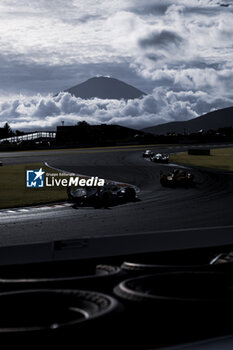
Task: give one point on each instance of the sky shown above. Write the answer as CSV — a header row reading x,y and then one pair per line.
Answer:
x,y
178,52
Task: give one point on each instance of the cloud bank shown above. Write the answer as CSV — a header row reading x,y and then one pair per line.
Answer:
x,y
161,106
53,44
180,52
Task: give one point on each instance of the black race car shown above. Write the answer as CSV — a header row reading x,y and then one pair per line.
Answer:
x,y
148,154
176,178
160,158
101,196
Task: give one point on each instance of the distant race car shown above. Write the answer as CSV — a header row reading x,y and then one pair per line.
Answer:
x,y
1,163
148,154
101,196
160,158
176,178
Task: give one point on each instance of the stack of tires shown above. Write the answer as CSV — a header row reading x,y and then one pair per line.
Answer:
x,y
59,302
171,298
149,301
50,316
175,307
65,275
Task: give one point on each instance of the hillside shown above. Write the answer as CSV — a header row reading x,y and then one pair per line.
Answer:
x,y
212,120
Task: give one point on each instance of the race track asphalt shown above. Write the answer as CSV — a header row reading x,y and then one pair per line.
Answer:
x,y
173,214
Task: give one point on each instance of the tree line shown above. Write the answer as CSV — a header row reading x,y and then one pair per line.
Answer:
x,y
6,132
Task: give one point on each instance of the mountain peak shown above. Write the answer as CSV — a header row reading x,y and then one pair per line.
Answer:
x,y
105,87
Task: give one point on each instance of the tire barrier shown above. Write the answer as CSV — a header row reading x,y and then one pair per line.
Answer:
x,y
175,307
107,307
176,261
34,317
70,275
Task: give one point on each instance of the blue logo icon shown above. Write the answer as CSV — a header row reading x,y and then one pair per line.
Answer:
x,y
35,178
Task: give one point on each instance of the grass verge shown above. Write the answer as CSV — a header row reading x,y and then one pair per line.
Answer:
x,y
13,191
220,159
